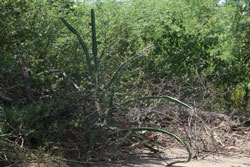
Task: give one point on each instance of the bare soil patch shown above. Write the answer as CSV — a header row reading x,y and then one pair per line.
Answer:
x,y
215,139
210,160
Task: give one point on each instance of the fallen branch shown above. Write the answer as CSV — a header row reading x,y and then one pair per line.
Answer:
x,y
6,98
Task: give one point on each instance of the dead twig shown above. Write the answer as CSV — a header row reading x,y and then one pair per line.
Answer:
x,y
27,84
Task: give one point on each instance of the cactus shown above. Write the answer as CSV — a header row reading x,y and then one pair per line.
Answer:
x,y
99,97
84,46
94,46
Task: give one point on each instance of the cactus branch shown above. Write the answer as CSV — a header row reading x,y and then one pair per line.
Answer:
x,y
84,46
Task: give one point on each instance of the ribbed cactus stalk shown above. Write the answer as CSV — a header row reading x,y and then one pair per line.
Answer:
x,y
98,100
94,46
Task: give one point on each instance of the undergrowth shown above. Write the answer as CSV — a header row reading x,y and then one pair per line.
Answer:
x,y
79,124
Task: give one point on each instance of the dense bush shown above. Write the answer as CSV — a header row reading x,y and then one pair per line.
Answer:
x,y
46,89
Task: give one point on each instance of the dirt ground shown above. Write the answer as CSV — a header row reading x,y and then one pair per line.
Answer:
x,y
148,160
210,160
217,141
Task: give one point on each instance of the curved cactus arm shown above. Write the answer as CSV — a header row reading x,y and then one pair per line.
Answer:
x,y
151,129
84,46
119,69
72,29
139,54
168,98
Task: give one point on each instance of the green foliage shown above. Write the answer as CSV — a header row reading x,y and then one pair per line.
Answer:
x,y
196,36
25,122
99,87
199,44
27,37
110,103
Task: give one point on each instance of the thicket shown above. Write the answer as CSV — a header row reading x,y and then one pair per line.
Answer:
x,y
52,94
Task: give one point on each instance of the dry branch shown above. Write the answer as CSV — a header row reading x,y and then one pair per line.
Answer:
x,y
27,84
